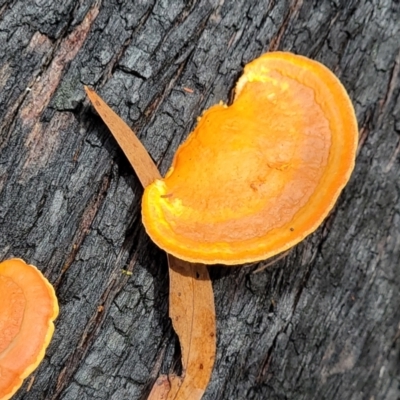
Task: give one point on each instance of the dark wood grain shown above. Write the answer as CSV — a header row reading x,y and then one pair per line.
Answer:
x,y
324,323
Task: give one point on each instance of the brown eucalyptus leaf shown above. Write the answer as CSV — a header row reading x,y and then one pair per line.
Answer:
x,y
133,148
160,389
192,311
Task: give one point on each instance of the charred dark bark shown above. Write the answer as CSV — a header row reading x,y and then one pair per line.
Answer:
x,y
324,323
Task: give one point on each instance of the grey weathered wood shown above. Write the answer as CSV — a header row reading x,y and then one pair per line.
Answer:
x,y
324,323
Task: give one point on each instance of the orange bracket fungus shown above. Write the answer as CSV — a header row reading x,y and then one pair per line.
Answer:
x,y
256,177
28,307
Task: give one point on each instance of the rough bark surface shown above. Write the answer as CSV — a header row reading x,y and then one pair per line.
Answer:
x,y
324,323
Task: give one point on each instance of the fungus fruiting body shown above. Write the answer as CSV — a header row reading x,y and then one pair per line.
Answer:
x,y
256,177
28,307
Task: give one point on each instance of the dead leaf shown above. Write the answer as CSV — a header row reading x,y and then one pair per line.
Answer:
x,y
191,303
192,311
134,150
160,389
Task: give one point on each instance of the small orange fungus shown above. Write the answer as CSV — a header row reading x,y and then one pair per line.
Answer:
x,y
28,307
256,177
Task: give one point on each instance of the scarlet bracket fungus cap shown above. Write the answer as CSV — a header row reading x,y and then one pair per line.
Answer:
x,y
256,177
28,307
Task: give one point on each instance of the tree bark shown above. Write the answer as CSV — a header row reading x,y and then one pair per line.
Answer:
x,y
323,323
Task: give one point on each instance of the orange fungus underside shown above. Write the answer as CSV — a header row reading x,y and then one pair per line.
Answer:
x,y
256,177
28,307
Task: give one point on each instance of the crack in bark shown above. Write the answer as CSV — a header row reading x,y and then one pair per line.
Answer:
x,y
114,285
112,65
82,231
364,130
392,85
292,13
150,111
64,51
